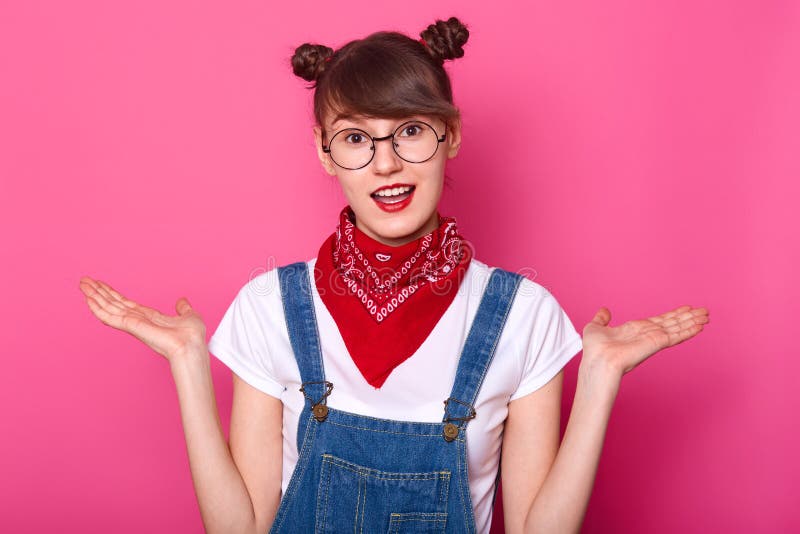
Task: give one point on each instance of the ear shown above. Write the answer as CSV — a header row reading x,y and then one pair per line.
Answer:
x,y
324,158
454,133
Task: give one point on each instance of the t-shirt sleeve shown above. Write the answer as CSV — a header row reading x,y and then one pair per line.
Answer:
x,y
240,342
553,343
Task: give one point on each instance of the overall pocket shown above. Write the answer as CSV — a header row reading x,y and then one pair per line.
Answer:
x,y
417,523
357,498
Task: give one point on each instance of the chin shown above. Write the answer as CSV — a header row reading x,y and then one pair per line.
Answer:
x,y
406,229
397,231
395,225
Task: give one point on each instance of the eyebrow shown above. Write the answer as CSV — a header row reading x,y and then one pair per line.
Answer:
x,y
348,117
361,121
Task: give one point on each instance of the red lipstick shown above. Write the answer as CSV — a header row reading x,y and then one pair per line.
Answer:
x,y
395,202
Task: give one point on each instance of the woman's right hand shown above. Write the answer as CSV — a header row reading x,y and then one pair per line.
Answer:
x,y
171,336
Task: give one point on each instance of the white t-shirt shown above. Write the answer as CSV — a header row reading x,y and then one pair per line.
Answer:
x,y
537,341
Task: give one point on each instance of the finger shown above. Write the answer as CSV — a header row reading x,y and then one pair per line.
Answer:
x,y
667,316
87,285
112,295
685,333
672,321
85,281
602,317
125,301
677,326
700,315
182,306
93,290
109,318
111,306
105,294
103,291
696,315
679,314
133,325
682,331
105,300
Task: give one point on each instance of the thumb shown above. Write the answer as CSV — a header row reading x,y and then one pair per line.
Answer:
x,y
602,317
183,307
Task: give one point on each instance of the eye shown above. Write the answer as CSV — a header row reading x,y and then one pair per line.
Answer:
x,y
411,130
355,138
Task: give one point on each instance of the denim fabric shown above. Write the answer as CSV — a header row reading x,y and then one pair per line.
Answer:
x,y
359,474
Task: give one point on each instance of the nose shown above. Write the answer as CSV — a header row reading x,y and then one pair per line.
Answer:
x,y
385,160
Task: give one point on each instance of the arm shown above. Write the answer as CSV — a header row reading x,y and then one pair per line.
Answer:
x,y
256,442
549,490
237,487
547,487
530,445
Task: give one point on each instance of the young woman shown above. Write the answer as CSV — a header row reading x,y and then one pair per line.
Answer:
x,y
378,386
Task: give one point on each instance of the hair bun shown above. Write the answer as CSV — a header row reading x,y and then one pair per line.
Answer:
x,y
309,60
445,39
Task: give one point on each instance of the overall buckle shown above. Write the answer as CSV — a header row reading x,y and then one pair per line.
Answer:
x,y
318,407
450,430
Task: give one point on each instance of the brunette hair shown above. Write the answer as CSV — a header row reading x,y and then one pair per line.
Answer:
x,y
386,74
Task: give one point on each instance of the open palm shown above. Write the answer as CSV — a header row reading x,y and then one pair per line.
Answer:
x,y
625,346
167,335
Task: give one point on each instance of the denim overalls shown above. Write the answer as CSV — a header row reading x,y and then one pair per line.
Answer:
x,y
363,474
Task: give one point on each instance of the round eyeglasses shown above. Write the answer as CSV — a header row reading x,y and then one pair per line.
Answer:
x,y
413,141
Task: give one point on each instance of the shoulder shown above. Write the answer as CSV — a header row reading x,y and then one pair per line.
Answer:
x,y
534,306
528,291
262,290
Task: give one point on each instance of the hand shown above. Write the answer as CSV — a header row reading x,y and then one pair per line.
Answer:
x,y
165,334
621,348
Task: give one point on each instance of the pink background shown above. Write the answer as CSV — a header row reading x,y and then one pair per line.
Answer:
x,y
635,156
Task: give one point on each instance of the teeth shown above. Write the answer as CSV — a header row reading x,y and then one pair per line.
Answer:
x,y
394,191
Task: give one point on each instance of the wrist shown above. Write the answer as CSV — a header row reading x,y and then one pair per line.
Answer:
x,y
189,356
599,371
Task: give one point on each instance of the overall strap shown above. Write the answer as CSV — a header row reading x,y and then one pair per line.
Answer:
x,y
298,308
479,349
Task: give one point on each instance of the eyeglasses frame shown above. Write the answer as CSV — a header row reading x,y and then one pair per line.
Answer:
x,y
327,149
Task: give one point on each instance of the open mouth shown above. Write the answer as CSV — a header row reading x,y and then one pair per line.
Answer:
x,y
393,195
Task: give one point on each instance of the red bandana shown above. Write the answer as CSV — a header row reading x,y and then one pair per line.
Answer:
x,y
386,300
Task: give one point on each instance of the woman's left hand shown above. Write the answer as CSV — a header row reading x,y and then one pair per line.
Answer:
x,y
621,348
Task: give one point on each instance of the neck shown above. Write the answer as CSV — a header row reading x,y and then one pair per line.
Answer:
x,y
431,225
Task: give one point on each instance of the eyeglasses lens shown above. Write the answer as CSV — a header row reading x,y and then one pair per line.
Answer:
x,y
414,142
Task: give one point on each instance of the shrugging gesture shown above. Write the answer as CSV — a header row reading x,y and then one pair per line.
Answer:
x,y
555,497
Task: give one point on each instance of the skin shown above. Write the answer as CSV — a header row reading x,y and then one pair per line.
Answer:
x,y
547,481
421,216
